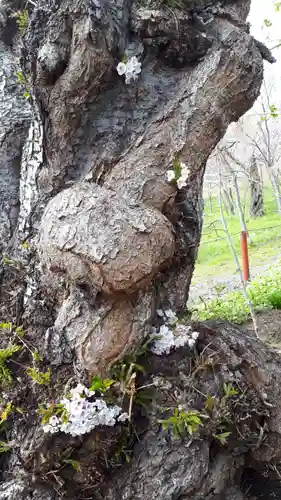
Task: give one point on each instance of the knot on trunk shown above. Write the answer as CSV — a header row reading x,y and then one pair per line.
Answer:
x,y
113,248
102,241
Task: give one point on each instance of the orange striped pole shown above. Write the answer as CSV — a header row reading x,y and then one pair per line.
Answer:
x,y
245,256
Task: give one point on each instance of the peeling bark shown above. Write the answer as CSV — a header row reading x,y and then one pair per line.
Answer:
x,y
15,116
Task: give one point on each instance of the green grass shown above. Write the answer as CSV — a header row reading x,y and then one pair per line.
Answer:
x,y
264,292
215,258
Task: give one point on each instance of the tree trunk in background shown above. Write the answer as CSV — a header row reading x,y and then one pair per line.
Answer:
x,y
239,205
256,189
229,203
107,240
275,186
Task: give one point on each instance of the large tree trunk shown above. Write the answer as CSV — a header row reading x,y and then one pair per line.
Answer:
x,y
107,239
256,203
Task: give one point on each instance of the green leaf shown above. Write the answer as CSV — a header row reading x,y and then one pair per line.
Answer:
x,y
176,412
222,438
190,429
273,111
181,426
267,23
229,390
101,385
277,6
22,18
64,417
6,326
74,463
20,77
36,356
4,447
6,412
19,331
19,410
8,262
138,368
41,378
177,167
210,403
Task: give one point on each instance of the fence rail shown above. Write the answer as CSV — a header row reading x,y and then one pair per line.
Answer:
x,y
238,232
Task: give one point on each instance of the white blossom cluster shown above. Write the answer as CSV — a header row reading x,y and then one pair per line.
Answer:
x,y
131,69
82,415
181,181
172,334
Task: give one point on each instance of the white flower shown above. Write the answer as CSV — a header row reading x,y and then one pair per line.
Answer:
x,y
185,171
121,68
128,77
164,331
130,66
131,69
182,329
123,417
135,64
54,421
50,429
168,339
82,415
89,393
160,313
172,317
165,341
52,426
78,391
194,335
170,175
181,341
191,343
181,183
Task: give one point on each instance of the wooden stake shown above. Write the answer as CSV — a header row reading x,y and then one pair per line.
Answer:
x,y
245,256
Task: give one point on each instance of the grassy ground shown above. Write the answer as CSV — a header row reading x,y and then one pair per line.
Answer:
x,y
264,293
215,258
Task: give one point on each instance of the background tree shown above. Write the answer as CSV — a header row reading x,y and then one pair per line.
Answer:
x,y
256,200
265,141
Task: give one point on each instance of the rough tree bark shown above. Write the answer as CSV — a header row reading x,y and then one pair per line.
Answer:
x,y
256,203
107,240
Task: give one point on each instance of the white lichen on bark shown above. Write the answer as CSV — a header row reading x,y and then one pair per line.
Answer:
x,y
32,159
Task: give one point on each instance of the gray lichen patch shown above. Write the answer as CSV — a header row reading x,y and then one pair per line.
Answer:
x,y
99,239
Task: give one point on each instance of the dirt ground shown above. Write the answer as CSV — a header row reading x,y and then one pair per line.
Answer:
x,y
269,327
219,285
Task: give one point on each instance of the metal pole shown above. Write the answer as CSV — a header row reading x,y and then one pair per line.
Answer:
x,y
245,256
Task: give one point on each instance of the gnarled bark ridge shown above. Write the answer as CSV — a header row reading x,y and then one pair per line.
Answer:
x,y
100,238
